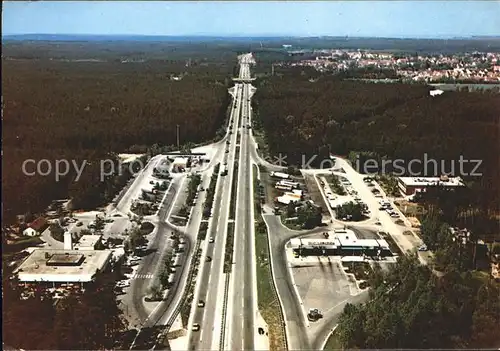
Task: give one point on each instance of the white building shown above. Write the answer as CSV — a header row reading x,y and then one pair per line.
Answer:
x,y
410,185
295,195
36,227
436,92
341,243
68,241
30,232
87,242
63,266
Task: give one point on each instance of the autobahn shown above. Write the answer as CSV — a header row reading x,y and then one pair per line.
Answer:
x,y
236,331
212,273
242,307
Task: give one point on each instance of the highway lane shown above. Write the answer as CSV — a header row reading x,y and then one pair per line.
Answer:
x,y
294,316
242,319
134,190
211,273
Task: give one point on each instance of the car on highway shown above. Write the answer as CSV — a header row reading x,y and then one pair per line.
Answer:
x,y
151,299
201,303
123,284
314,314
227,151
196,327
209,259
211,240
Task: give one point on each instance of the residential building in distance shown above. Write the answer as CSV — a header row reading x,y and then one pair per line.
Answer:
x,y
36,227
411,185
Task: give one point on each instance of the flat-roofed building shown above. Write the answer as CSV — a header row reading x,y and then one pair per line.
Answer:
x,y
341,243
87,242
410,185
63,266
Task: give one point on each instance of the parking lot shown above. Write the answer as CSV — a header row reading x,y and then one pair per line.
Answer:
x,y
323,285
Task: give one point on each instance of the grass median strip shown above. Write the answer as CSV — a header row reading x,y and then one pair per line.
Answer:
x,y
207,208
269,306
228,257
333,343
234,185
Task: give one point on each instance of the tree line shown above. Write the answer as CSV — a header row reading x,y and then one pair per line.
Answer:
x,y
303,117
410,307
90,321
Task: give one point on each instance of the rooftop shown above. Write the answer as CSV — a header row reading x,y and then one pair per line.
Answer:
x,y
180,160
38,223
62,265
88,241
66,259
340,239
429,181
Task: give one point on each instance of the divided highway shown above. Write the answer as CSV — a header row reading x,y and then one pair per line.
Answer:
x,y
241,320
229,323
212,281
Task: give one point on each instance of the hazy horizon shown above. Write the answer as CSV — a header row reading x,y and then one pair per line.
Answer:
x,y
368,19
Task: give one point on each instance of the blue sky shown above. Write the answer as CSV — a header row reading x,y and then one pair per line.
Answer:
x,y
425,19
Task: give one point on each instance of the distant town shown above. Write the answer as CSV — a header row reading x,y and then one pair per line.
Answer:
x,y
480,67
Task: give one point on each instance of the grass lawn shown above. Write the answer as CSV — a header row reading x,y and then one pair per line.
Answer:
x,y
361,270
228,258
333,343
260,139
268,301
202,234
22,244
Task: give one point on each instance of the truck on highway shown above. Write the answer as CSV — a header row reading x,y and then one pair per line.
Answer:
x,y
280,175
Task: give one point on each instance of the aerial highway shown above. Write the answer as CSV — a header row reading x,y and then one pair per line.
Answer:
x,y
212,280
224,309
242,307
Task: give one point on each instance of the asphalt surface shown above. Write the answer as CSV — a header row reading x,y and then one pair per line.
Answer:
x,y
237,329
296,327
211,273
149,263
242,319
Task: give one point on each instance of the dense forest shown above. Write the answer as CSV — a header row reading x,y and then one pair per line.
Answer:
x,y
410,307
80,111
91,321
303,114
